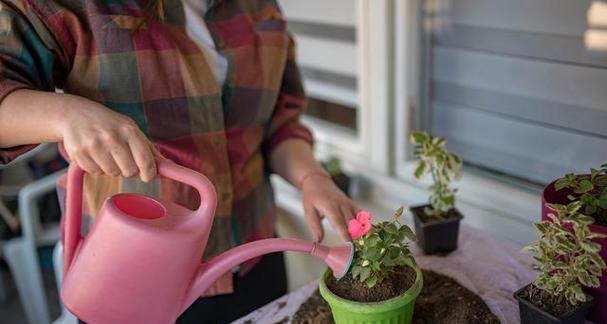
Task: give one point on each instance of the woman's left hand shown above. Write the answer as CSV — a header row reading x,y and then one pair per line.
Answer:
x,y
322,198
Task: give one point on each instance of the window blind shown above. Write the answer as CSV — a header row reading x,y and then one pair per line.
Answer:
x,y
513,87
325,36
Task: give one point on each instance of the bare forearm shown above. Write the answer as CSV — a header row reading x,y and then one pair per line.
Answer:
x,y
98,139
294,159
29,117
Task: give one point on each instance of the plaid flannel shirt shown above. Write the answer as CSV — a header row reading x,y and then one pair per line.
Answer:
x,y
134,56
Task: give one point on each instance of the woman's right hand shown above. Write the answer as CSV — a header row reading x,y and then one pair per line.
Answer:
x,y
102,141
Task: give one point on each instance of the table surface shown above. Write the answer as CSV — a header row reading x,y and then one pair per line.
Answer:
x,y
490,268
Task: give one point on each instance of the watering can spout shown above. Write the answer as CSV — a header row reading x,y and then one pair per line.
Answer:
x,y
338,259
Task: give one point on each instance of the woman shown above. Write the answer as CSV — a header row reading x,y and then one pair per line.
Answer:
x,y
211,85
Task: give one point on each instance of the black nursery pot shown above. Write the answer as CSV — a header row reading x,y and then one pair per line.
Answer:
x,y
438,236
531,314
343,182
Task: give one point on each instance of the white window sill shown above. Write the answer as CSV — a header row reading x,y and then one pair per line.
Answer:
x,y
502,210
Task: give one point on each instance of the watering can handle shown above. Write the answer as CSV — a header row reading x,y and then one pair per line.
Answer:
x,y
166,169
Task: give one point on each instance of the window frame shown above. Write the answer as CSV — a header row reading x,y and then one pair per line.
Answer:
x,y
370,144
380,156
503,199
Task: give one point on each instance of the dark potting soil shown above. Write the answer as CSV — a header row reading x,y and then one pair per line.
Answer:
x,y
546,301
441,301
353,289
425,218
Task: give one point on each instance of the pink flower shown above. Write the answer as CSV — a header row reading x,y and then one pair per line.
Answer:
x,y
361,225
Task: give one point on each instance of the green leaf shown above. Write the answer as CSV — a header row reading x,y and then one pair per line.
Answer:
x,y
373,254
401,260
364,273
593,173
440,159
372,240
601,181
542,228
388,262
590,247
585,279
408,233
419,137
584,186
419,171
391,229
456,158
356,270
562,183
371,281
590,209
393,252
439,141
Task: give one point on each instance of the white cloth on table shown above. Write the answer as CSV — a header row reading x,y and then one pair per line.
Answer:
x,y
490,268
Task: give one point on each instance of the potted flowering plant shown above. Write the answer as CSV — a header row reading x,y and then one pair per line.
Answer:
x,y
341,179
591,191
568,260
383,281
437,223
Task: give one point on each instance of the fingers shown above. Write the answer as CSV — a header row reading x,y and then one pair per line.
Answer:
x,y
347,212
124,159
337,222
143,155
105,161
314,223
87,164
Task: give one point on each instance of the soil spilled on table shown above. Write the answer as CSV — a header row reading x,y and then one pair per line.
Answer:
x,y
441,301
420,212
546,301
353,289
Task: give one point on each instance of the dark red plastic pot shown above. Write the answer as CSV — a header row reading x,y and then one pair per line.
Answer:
x,y
598,312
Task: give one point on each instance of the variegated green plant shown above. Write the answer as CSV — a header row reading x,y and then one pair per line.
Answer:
x,y
442,165
567,257
590,189
333,166
382,250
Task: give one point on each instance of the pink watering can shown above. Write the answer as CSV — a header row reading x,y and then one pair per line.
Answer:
x,y
139,261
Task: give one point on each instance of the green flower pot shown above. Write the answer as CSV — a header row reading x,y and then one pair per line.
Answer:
x,y
398,310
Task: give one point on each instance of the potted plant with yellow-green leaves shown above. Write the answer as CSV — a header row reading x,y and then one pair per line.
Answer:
x,y
341,179
567,260
384,280
436,223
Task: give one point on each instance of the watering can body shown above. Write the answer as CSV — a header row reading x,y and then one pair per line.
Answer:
x,y
139,258
139,262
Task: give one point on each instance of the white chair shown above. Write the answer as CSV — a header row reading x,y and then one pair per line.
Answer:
x,y
66,317
13,177
21,253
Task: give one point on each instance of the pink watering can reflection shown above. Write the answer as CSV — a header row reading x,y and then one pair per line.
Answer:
x,y
139,261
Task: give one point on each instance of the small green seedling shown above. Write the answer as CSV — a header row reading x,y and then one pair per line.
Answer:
x,y
442,165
